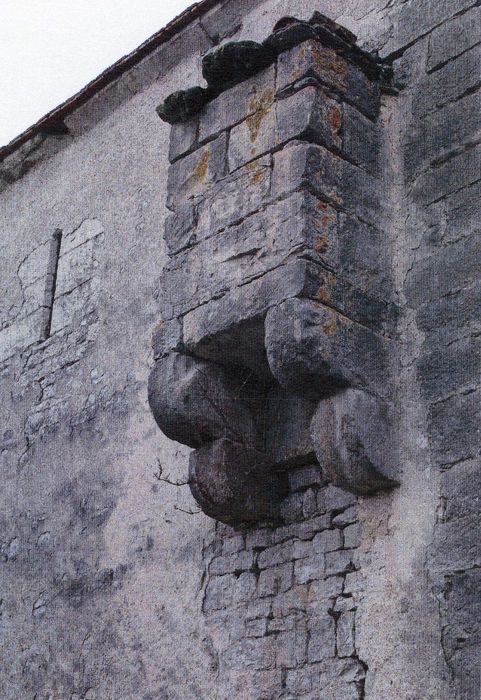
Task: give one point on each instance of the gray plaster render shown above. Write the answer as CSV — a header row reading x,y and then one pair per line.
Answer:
x,y
306,186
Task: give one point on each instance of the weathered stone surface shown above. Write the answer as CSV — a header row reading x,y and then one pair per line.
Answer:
x,y
80,504
234,62
237,104
439,134
183,105
455,428
324,65
183,138
344,185
449,270
235,197
179,228
454,37
195,402
309,115
277,579
458,171
312,350
166,338
256,135
352,435
233,483
450,82
191,176
449,370
414,19
206,328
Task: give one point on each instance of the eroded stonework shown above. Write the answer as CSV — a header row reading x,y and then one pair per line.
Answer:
x,y
278,327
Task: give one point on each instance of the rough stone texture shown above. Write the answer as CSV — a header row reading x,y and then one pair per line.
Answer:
x,y
107,589
224,253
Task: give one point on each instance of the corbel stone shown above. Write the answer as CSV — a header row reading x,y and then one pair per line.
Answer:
x,y
278,323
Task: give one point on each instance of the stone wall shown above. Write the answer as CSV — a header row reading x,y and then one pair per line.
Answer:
x,y
109,587
279,601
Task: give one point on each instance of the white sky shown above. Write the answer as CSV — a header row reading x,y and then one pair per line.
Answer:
x,y
50,49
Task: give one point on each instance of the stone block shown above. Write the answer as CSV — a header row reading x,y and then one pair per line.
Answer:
x,y
415,18
278,554
327,541
451,317
256,135
461,489
179,229
345,635
292,647
457,172
277,579
461,212
245,587
304,530
256,628
309,115
451,369
232,563
233,483
259,538
191,176
312,60
291,508
361,140
456,545
342,184
36,296
340,562
204,328
293,601
354,583
347,517
353,435
312,349
309,569
322,638
225,20
454,37
218,593
183,138
240,254
448,270
448,83
455,426
322,593
237,104
236,197
288,441
441,132
309,503
303,477
234,544
194,402
352,536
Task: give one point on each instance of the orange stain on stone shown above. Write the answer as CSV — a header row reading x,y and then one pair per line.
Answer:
x,y
260,106
202,167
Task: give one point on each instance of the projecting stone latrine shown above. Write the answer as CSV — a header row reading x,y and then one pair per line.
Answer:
x,y
283,275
